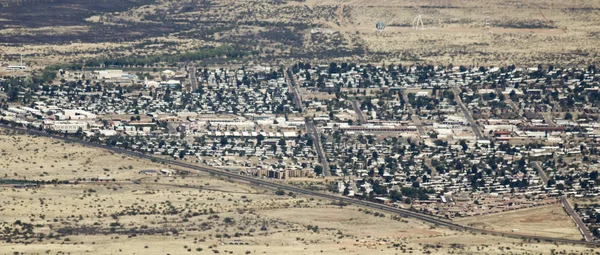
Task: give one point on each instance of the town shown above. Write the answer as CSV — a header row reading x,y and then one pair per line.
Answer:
x,y
450,141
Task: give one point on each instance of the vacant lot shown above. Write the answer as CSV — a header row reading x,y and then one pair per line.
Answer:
x,y
28,158
548,220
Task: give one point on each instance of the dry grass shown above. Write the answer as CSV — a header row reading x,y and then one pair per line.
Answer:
x,y
548,220
522,32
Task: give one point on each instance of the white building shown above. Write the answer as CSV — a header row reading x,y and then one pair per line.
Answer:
x,y
66,126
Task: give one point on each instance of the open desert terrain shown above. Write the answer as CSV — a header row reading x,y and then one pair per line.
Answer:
x,y
548,220
199,213
460,32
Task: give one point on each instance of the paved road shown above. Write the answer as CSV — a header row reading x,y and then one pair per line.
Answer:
x,y
467,113
414,117
273,185
510,102
359,112
314,133
292,80
541,171
585,231
193,80
548,119
311,130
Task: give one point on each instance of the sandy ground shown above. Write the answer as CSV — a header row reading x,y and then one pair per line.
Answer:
x,y
23,157
548,220
171,215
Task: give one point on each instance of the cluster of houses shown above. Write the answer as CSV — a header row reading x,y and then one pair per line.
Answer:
x,y
450,141
467,132
590,215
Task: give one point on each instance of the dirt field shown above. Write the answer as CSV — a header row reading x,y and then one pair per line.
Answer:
x,y
197,213
26,158
549,220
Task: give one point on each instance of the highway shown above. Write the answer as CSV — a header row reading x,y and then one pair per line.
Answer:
x,y
310,127
359,112
273,185
466,112
585,231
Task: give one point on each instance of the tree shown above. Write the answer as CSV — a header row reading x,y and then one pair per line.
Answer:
x,y
568,116
224,141
13,94
318,170
594,175
464,145
79,133
513,95
260,138
346,189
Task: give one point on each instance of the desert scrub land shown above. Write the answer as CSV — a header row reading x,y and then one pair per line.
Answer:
x,y
548,220
523,32
194,213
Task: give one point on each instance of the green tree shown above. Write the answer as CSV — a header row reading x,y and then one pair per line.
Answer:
x,y
318,170
568,116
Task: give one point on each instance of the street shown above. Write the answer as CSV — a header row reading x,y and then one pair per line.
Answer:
x,y
193,80
548,119
414,117
359,112
467,113
311,130
567,206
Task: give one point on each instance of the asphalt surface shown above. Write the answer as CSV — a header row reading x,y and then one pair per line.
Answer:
x,y
585,231
359,112
311,130
548,119
193,80
541,171
273,185
467,113
510,102
297,99
414,117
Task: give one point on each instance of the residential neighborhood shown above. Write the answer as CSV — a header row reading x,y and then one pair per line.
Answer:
x,y
446,141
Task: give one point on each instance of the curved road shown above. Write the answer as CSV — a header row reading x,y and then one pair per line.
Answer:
x,y
260,182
